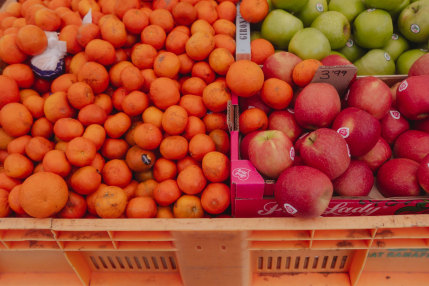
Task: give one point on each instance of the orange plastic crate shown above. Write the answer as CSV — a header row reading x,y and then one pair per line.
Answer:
x,y
381,250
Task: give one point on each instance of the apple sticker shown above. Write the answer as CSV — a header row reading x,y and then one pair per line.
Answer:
x,y
370,10
290,209
319,7
292,153
395,114
403,86
387,56
349,43
395,36
290,110
415,28
344,131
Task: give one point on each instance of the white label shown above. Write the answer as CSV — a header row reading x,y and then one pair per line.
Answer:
x,y
242,37
395,36
395,114
348,150
349,43
241,173
290,110
344,131
387,56
415,28
403,86
319,7
290,209
270,208
346,97
292,153
370,10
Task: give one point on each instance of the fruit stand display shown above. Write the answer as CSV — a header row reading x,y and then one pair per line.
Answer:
x,y
132,142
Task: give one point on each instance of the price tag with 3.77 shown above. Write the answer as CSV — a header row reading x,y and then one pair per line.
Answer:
x,y
326,74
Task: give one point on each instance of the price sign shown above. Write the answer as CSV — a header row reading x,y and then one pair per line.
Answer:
x,y
242,38
339,76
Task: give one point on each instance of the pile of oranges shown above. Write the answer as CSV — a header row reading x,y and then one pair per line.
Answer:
x,y
135,126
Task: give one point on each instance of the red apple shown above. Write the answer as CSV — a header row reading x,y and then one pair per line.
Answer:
x,y
393,90
299,141
280,65
285,122
271,152
423,174
380,153
422,125
372,95
412,144
244,145
253,101
393,125
303,191
398,178
317,105
420,66
327,151
357,180
335,60
412,97
360,129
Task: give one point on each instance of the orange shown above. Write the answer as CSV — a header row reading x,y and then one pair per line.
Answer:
x,y
7,182
164,4
117,125
193,85
147,136
254,11
105,102
223,26
5,139
164,212
95,75
221,140
174,120
220,59
16,145
215,198
132,79
176,42
18,166
153,35
10,89
85,180
174,147
98,162
35,105
43,194
86,33
31,40
166,192
149,76
80,151
110,202
216,166
215,120
184,13
261,49
164,169
4,203
304,71
100,51
42,127
162,18
195,126
166,64
135,103
114,148
115,72
203,71
152,115
276,93
145,188
193,104
63,82
200,145
37,147
130,189
13,200
139,160
135,20
226,10
164,92
122,7
92,114
15,119
143,55
55,161
225,41
9,51
113,30
216,96
69,35
21,73
141,207
68,128
191,180
77,62
206,10
143,176
245,78
57,106
116,173
252,120
117,97
96,133
47,19
188,206
199,46
186,64
185,162
75,207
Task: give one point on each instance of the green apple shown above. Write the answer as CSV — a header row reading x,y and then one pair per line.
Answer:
x,y
352,51
337,53
279,27
312,10
310,43
406,60
413,22
395,12
388,5
349,8
396,46
373,28
289,5
335,26
375,62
